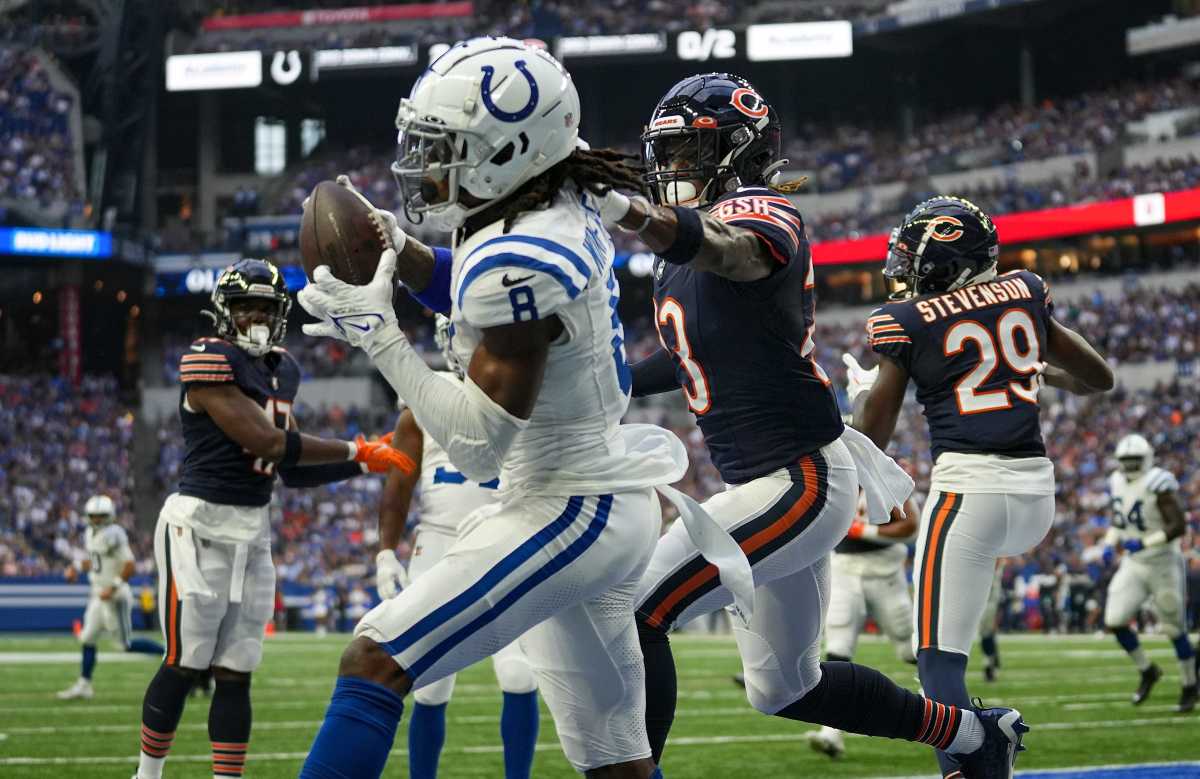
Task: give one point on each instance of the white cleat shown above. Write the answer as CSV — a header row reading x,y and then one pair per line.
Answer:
x,y
82,689
827,741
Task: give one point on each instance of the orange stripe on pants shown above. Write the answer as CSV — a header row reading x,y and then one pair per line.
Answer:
x,y
931,564
750,545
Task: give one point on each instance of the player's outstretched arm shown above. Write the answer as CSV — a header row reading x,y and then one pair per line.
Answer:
x,y
877,409
685,236
243,421
1073,364
900,529
1173,516
394,504
654,375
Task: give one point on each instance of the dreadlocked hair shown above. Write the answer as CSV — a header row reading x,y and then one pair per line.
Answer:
x,y
588,168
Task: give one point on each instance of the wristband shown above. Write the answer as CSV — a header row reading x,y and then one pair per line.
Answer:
x,y
689,235
291,449
1157,538
352,449
436,295
869,530
646,221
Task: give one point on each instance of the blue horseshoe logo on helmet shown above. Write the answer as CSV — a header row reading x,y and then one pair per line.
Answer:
x,y
493,109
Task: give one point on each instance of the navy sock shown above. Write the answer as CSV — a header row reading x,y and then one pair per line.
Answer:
x,y
988,644
658,774
1183,647
426,735
1126,638
944,679
229,717
89,661
519,731
357,734
145,646
661,690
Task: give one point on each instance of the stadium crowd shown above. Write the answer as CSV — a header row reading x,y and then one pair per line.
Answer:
x,y
37,149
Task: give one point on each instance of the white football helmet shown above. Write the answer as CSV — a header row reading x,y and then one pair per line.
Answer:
x,y
487,116
1135,454
442,336
100,506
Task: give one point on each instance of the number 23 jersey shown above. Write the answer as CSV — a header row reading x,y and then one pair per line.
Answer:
x,y
974,355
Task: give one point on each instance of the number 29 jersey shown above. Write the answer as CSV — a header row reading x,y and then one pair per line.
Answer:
x,y
974,355
215,468
743,350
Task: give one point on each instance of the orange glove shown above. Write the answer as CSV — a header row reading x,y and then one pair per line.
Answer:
x,y
380,457
856,529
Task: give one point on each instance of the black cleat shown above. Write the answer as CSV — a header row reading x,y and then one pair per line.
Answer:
x,y
989,673
1188,697
740,680
1150,678
1003,731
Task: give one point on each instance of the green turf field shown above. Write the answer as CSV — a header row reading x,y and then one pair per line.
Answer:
x,y
1073,690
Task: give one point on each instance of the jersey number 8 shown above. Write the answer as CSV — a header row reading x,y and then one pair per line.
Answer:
x,y
993,348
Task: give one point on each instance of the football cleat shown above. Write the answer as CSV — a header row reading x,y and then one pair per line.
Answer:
x,y
1003,731
989,673
827,741
1187,699
81,690
1150,678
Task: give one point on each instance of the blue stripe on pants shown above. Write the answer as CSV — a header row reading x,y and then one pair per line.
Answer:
x,y
564,558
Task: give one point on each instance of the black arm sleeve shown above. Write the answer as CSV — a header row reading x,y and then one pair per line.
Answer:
x,y
316,475
654,375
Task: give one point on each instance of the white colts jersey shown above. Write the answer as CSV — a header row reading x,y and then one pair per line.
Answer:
x,y
557,261
1134,507
108,550
446,495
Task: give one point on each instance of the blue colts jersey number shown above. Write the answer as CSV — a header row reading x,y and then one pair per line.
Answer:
x,y
1121,520
444,475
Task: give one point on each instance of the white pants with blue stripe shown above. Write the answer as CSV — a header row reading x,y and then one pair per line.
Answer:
x,y
559,573
112,616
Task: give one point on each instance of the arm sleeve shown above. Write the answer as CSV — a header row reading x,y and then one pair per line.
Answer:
x,y
770,216
475,431
887,336
518,278
436,296
654,375
317,475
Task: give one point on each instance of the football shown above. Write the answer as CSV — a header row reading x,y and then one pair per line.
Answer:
x,y
337,230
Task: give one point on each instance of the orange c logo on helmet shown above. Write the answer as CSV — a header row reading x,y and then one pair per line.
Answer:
x,y
749,102
949,237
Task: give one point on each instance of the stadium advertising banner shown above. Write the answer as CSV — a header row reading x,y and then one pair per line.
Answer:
x,y
803,40
72,244
359,15
220,70
1154,208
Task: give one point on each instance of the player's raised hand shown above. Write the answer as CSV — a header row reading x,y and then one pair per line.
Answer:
x,y
390,575
380,457
858,378
353,313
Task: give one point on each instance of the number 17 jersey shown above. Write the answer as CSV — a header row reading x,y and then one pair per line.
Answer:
x,y
975,355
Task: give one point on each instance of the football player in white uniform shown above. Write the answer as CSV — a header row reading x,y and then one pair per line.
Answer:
x,y
489,145
109,564
868,579
1147,522
446,498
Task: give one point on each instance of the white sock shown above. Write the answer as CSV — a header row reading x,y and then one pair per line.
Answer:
x,y
1138,656
1187,671
150,767
969,736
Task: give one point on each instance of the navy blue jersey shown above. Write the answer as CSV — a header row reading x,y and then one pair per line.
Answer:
x,y
215,468
975,355
743,350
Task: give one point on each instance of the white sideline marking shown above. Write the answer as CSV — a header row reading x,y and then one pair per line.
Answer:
x,y
47,658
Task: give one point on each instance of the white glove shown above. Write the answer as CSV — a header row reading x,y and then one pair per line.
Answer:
x,y
390,575
359,315
858,378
